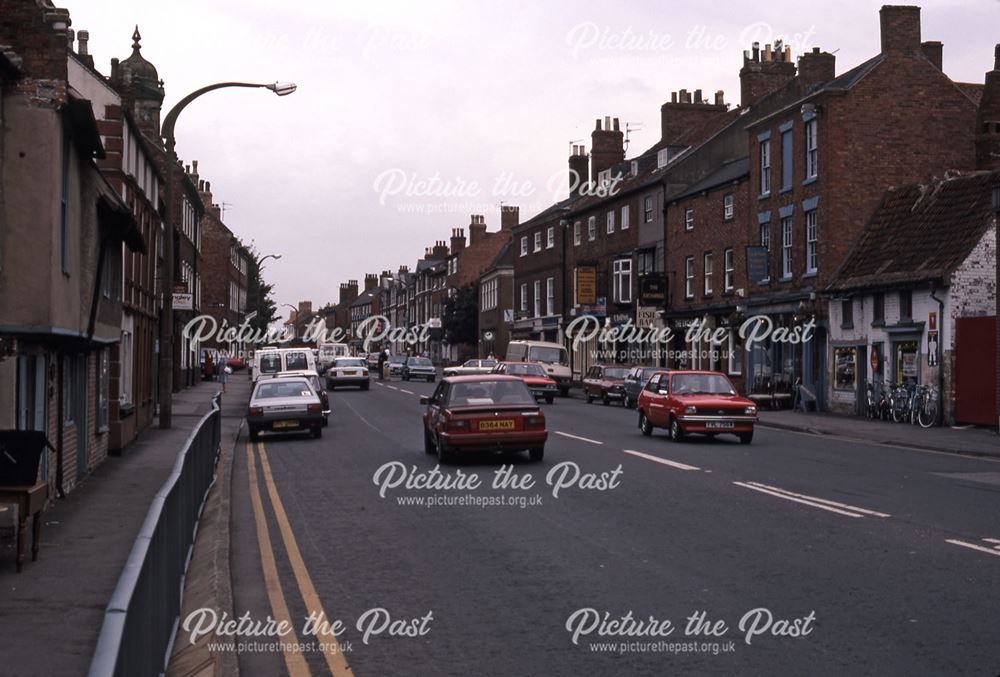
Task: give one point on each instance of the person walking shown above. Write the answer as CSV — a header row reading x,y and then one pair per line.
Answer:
x,y
224,376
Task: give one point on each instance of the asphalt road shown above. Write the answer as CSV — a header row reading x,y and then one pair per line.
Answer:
x,y
818,556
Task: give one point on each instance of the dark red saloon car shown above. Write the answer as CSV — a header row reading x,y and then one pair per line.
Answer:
x,y
489,412
702,402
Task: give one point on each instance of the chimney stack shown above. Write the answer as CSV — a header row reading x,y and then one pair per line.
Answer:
x,y
934,51
579,173
680,115
988,119
607,147
900,29
371,281
457,240
816,67
349,291
477,229
764,72
440,250
510,217
305,308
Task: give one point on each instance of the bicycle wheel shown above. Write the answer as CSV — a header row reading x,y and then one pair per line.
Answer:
x,y
928,414
898,408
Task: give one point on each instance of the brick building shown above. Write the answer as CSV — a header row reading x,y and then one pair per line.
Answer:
x,y
225,264
61,245
496,303
913,301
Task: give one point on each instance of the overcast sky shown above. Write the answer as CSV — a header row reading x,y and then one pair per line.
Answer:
x,y
475,103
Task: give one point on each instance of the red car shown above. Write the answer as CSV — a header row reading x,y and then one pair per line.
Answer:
x,y
695,402
534,376
492,412
605,383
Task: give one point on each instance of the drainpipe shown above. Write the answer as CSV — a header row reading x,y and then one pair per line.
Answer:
x,y
97,288
59,428
940,347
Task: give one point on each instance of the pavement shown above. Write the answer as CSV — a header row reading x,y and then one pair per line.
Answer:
x,y
970,441
838,556
51,613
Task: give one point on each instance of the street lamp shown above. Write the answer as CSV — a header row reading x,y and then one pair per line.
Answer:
x,y
166,382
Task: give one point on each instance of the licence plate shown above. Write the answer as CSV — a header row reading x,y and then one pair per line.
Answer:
x,y
506,424
350,373
719,424
286,424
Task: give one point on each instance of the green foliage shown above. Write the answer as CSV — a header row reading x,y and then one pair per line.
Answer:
x,y
460,319
259,292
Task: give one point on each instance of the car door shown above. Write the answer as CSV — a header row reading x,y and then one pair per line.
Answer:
x,y
657,413
435,406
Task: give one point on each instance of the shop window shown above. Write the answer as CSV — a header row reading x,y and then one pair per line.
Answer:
x,y
845,368
878,309
907,362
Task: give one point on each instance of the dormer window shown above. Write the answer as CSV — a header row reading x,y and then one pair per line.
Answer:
x,y
662,157
604,178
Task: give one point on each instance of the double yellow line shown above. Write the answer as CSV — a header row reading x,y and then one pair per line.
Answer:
x,y
294,660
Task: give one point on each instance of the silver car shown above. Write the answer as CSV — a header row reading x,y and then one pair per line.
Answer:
x,y
284,404
419,367
348,371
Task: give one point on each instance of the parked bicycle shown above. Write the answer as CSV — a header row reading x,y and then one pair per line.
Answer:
x,y
924,408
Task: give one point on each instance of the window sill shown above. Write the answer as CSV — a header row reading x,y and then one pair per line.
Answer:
x,y
811,179
878,323
785,278
847,326
785,190
811,273
764,196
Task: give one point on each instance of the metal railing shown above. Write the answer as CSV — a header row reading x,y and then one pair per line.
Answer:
x,y
142,616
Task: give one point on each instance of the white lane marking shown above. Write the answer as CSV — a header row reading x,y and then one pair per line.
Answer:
x,y
973,546
657,459
363,419
577,437
852,508
797,500
408,392
392,387
992,540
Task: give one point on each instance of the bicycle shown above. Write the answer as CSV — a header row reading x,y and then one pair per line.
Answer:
x,y
925,407
900,402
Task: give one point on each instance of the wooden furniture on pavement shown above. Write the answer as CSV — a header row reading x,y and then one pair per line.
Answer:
x,y
30,501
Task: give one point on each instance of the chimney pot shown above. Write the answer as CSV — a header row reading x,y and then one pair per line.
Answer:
x,y
720,97
83,37
996,58
697,96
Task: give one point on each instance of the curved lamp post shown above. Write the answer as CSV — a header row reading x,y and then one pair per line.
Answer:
x,y
166,381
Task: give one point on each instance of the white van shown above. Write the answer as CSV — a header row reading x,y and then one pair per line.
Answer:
x,y
328,352
274,360
552,356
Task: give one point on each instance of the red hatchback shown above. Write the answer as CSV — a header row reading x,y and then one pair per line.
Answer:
x,y
490,412
533,374
702,402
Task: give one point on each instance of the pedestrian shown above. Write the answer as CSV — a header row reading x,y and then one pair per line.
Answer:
x,y
381,363
224,376
209,366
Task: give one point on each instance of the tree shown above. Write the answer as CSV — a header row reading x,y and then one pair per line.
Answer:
x,y
460,319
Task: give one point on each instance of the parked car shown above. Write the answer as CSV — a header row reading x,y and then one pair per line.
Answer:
x,y
396,363
490,412
686,402
284,404
348,371
236,362
635,379
604,382
533,375
419,367
471,367
552,356
314,381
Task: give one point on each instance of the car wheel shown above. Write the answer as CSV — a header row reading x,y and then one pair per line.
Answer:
x,y
326,422
365,386
746,438
330,386
563,391
606,399
444,456
254,434
429,447
676,434
430,379
536,454
589,397
626,402
317,432
549,399
644,425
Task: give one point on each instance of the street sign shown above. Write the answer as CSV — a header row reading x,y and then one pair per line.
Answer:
x,y
646,318
932,321
757,263
183,301
874,360
652,289
932,347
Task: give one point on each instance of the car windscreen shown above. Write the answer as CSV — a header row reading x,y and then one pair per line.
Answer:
x,y
701,384
484,393
419,362
351,363
296,360
547,355
525,370
615,372
489,363
269,364
271,389
397,359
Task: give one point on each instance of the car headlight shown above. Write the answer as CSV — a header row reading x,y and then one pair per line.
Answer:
x,y
751,409
690,410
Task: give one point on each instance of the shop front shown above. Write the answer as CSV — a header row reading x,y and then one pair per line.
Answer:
x,y
790,361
